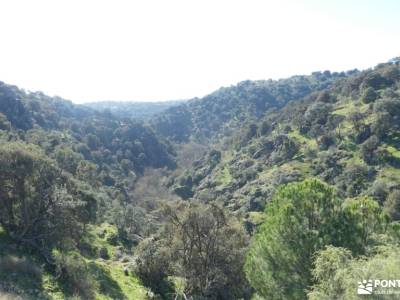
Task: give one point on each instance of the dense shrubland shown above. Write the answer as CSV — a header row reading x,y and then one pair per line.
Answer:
x,y
222,112
268,189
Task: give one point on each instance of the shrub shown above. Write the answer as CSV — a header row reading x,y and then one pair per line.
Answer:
x,y
103,253
355,178
75,275
369,95
378,191
112,238
392,205
310,152
14,264
152,263
208,249
326,140
368,150
337,273
31,182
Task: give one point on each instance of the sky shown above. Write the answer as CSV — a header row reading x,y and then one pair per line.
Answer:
x,y
155,50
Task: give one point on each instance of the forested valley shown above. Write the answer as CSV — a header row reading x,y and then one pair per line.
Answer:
x,y
269,189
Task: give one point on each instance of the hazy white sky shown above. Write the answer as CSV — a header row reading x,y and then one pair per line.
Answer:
x,y
164,50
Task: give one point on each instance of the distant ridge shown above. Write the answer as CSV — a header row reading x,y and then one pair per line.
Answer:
x,y
133,109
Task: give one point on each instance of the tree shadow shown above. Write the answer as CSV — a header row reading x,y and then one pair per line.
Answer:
x,y
108,286
87,249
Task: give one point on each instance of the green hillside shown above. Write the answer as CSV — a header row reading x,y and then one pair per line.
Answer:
x,y
284,189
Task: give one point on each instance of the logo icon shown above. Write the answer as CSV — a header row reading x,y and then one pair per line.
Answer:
x,y
364,287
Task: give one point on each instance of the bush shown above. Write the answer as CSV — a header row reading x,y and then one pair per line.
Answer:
x,y
337,273
326,264
382,124
33,183
112,238
103,253
392,205
368,150
329,164
378,191
326,141
208,250
14,264
4,123
152,264
75,275
355,178
310,152
369,95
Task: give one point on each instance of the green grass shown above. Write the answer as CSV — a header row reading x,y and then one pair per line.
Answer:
x,y
227,155
348,106
302,139
224,176
266,173
31,281
390,174
94,240
303,167
345,108
114,284
393,151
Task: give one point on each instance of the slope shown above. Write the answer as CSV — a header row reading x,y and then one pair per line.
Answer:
x,y
347,135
